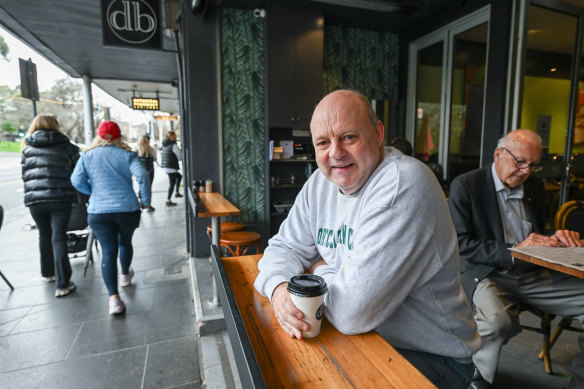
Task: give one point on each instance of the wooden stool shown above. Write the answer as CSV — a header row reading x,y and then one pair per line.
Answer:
x,y
226,227
242,241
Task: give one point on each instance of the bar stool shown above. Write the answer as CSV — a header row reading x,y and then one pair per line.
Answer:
x,y
241,241
226,227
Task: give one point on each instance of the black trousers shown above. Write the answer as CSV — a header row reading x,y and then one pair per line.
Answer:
x,y
52,220
174,180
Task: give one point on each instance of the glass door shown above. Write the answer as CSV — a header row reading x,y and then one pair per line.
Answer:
x,y
446,95
468,74
428,118
552,94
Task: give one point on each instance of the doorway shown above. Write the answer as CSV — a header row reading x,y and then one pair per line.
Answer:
x,y
550,98
445,107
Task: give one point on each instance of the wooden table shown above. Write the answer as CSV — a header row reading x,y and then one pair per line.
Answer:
x,y
268,358
213,205
541,261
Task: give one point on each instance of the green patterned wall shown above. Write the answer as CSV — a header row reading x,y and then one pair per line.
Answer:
x,y
364,60
243,112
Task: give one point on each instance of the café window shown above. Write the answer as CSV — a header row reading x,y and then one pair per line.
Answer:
x,y
550,92
446,95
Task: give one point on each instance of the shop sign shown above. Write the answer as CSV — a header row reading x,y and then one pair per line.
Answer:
x,y
144,103
133,23
171,118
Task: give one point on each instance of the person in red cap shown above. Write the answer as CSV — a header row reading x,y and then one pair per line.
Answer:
x,y
105,172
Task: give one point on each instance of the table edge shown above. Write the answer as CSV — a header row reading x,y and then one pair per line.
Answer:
x,y
247,365
547,264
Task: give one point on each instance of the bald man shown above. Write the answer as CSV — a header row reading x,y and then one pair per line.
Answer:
x,y
493,209
375,225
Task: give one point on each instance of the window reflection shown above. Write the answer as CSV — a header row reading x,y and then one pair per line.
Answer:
x,y
466,108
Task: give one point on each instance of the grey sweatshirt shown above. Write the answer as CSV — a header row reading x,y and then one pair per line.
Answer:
x,y
391,254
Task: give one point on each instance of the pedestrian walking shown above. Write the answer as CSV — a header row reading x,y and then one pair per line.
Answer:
x,y
147,157
105,172
48,159
170,158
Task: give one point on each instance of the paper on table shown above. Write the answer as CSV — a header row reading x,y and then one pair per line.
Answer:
x,y
567,256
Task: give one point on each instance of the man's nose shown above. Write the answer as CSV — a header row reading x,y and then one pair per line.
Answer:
x,y
525,172
336,150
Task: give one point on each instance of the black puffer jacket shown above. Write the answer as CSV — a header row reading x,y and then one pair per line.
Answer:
x,y
47,163
168,157
147,162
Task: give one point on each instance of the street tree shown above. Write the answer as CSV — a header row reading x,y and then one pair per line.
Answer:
x,y
4,49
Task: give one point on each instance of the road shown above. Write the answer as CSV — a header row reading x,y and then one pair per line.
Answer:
x,y
16,215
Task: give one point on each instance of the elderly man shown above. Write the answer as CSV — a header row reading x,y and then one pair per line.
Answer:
x,y
493,209
376,227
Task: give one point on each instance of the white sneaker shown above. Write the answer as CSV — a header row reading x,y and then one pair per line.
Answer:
x,y
116,306
65,291
126,279
49,279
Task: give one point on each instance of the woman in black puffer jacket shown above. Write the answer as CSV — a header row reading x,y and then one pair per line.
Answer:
x,y
48,159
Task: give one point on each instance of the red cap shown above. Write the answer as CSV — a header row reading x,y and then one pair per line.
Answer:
x,y
109,130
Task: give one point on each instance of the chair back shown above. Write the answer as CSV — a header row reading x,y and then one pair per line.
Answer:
x,y
577,162
570,216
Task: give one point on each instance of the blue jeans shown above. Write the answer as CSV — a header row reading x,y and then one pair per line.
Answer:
x,y
52,220
114,232
444,372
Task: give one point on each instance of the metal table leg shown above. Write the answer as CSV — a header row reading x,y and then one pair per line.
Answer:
x,y
215,237
89,250
12,287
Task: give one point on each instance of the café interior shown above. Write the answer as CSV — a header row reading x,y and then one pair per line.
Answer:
x,y
451,76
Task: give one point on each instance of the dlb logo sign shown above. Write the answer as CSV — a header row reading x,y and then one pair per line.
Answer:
x,y
131,23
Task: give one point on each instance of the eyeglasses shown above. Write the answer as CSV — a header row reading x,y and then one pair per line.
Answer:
x,y
535,167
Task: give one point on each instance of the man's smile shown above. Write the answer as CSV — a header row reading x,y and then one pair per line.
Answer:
x,y
341,166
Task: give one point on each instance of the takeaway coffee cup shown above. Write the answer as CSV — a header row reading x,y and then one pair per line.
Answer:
x,y
307,293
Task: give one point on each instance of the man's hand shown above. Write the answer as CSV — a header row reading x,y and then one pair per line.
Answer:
x,y
561,238
289,317
568,238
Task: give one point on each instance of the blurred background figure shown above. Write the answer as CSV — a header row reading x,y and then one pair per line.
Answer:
x,y
105,172
403,145
147,157
48,159
170,156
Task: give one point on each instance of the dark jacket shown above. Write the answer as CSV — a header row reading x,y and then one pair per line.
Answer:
x,y
47,163
168,157
147,162
475,214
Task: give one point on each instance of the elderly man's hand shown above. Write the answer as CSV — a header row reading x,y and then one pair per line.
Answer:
x,y
568,238
560,239
289,317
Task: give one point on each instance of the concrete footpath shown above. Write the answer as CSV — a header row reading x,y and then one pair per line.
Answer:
x,y
73,342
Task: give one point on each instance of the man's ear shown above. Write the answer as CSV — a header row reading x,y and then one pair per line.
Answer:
x,y
379,132
497,153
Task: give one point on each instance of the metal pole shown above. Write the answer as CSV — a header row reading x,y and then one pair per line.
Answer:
x,y
106,113
566,180
87,110
33,86
215,238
